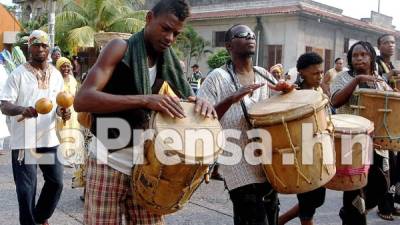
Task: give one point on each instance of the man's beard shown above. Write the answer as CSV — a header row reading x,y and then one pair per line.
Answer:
x,y
247,54
39,60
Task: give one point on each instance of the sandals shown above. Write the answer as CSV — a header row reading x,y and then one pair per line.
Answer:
x,y
387,217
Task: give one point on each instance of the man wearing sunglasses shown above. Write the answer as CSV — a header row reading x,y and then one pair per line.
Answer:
x,y
232,89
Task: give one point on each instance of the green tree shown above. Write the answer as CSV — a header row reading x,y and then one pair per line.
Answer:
x,y
11,8
78,21
29,26
218,59
190,45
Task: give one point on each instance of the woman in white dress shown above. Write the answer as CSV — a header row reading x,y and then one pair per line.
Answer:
x,y
3,125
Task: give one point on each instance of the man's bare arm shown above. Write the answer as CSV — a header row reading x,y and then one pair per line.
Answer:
x,y
90,97
9,109
325,84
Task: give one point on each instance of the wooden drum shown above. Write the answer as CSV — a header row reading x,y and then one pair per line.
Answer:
x,y
165,188
293,169
353,145
381,107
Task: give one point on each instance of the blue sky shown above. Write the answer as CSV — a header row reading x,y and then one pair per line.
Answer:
x,y
354,8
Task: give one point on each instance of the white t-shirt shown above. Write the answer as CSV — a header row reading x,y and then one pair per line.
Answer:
x,y
153,74
121,160
22,89
3,125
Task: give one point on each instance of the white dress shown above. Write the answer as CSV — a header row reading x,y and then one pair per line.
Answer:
x,y
3,125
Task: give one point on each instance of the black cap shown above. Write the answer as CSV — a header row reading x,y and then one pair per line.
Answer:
x,y
195,66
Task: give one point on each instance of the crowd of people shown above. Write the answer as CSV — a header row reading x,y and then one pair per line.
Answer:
x,y
124,83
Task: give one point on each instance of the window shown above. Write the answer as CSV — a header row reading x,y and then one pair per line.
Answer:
x,y
326,55
328,59
346,45
274,55
219,39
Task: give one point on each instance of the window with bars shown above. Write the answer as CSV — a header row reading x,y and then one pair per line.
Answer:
x,y
346,45
273,55
219,39
325,54
328,59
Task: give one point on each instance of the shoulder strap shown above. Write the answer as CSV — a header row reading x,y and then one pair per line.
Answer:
x,y
264,76
244,109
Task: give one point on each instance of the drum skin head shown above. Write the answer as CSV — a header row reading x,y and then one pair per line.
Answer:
x,y
375,92
191,123
293,105
352,124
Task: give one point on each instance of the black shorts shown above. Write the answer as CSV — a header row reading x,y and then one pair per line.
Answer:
x,y
309,202
255,204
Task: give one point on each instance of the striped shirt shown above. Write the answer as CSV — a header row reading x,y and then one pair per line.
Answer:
x,y
219,86
341,81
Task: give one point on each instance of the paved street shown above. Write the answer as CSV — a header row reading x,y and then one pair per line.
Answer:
x,y
209,206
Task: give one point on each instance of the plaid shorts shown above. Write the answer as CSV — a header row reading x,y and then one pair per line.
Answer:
x,y
109,196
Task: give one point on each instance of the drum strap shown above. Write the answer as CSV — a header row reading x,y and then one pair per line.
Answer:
x,y
230,69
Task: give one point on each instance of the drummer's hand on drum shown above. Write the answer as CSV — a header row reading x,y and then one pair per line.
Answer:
x,y
283,86
245,90
204,107
165,104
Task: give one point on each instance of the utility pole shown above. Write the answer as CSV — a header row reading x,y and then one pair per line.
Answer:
x,y
52,22
379,6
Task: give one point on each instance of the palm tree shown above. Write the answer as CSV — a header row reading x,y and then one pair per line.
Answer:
x,y
191,45
79,20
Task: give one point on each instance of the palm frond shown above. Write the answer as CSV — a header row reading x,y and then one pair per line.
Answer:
x,y
73,6
82,37
71,18
126,25
109,11
140,14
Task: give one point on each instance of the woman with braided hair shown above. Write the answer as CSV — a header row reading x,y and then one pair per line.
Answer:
x,y
362,74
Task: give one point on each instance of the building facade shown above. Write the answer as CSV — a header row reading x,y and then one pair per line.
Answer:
x,y
285,29
32,9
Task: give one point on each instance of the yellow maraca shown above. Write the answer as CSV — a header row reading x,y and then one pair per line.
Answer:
x,y
64,100
42,106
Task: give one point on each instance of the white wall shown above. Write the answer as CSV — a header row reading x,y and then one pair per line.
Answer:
x,y
294,33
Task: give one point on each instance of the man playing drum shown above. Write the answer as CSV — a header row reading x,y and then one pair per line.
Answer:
x,y
120,86
387,46
361,62
232,89
310,70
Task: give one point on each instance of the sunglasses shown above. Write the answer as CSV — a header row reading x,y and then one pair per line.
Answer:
x,y
245,34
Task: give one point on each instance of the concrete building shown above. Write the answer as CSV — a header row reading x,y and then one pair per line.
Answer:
x,y
32,9
9,27
286,29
